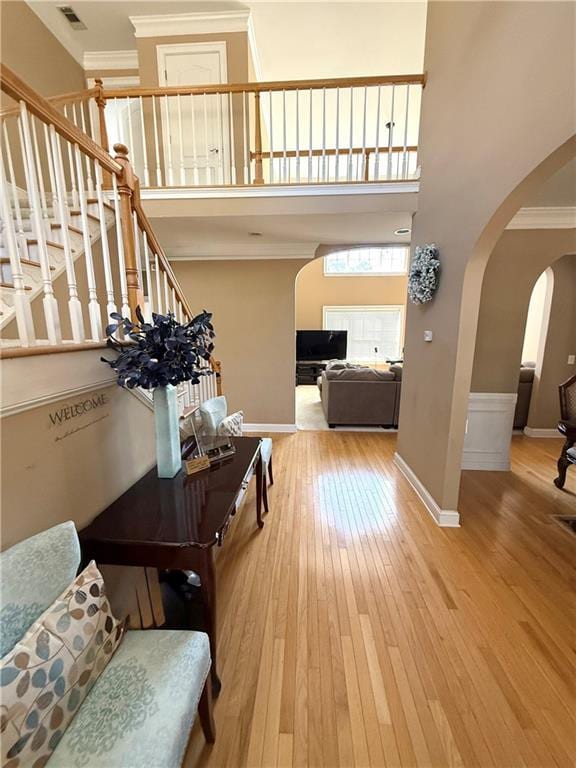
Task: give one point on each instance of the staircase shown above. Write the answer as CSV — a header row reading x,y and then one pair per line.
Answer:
x,y
75,242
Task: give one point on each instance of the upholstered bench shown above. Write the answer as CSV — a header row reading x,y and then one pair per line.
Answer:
x,y
140,709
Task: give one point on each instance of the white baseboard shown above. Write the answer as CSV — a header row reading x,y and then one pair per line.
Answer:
x,y
269,427
489,430
445,518
535,432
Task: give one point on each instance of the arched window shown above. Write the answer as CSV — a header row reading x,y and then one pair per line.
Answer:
x,y
377,261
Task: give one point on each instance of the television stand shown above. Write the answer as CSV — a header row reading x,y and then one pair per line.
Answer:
x,y
307,371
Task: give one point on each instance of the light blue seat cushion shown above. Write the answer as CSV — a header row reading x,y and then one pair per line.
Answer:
x,y
32,575
266,449
140,712
212,412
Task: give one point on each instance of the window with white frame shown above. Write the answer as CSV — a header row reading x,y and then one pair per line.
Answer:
x,y
387,260
374,332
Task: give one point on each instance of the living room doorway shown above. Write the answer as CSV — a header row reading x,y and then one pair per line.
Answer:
x,y
350,312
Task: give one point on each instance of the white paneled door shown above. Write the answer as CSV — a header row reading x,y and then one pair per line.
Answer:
x,y
196,128
374,332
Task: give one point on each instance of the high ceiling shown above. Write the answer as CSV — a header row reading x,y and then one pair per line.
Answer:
x,y
294,39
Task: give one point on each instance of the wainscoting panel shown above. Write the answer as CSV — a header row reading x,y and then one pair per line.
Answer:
x,y
488,431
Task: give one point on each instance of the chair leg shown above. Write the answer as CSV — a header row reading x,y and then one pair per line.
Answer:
x,y
206,713
270,475
563,464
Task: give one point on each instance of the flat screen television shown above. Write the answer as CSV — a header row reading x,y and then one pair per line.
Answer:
x,y
321,345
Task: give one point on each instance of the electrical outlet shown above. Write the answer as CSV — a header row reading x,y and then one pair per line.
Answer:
x,y
571,359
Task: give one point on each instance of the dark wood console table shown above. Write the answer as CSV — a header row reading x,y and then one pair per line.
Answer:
x,y
175,524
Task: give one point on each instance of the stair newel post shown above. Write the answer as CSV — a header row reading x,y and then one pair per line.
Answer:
x,y
127,188
22,307
258,175
103,133
49,303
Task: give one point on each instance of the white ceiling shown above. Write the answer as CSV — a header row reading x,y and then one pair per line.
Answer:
x,y
294,39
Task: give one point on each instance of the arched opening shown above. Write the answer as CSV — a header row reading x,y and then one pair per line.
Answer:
x,y
350,316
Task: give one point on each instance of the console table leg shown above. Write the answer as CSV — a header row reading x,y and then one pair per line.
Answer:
x,y
259,479
208,588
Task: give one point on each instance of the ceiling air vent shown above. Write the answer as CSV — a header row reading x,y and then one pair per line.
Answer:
x,y
71,16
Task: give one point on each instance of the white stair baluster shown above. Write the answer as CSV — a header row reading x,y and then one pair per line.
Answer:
x,y
247,162
125,307
51,173
22,307
159,305
311,138
390,137
207,140
131,144
220,134
73,188
94,312
156,143
144,145
323,176
149,298
270,93
232,139
50,305
89,178
377,158
404,152
108,281
350,155
195,173
337,142
41,187
74,304
166,293
181,142
21,235
168,141
363,165
285,176
297,137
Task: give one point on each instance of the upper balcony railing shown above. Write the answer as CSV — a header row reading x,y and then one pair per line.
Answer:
x,y
294,132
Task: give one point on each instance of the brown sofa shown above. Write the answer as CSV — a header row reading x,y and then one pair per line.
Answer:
x,y
355,395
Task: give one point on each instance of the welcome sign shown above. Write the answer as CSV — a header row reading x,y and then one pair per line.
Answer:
x,y
71,415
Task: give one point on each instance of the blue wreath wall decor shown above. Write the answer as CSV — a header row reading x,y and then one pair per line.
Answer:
x,y
424,274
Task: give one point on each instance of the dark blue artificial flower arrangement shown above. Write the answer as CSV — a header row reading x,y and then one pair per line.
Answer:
x,y
161,352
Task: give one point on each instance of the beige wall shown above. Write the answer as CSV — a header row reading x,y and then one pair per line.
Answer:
x,y
481,138
314,290
560,342
517,261
253,306
74,470
33,52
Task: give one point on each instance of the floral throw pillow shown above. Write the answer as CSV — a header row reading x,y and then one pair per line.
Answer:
x,y
232,425
48,673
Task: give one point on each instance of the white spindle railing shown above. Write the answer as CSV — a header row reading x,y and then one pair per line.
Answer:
x,y
261,133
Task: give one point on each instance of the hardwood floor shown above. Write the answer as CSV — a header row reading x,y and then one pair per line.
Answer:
x,y
355,632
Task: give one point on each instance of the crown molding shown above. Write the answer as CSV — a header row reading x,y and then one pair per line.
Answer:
x,y
553,217
110,60
201,23
242,251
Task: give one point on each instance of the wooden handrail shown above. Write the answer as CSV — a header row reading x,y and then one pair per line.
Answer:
x,y
59,100
275,85
18,90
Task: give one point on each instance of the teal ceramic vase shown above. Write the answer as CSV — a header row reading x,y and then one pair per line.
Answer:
x,y
168,457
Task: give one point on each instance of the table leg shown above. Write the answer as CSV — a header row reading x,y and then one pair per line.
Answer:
x,y
259,477
208,590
